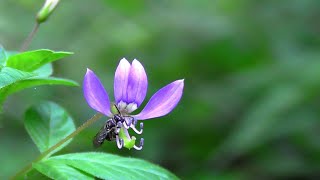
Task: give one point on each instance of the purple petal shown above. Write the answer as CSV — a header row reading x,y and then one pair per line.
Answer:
x,y
121,81
163,101
95,94
137,83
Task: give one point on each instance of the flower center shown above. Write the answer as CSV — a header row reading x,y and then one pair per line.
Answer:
x,y
125,108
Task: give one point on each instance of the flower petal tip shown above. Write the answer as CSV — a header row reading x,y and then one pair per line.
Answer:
x,y
88,71
137,83
180,81
135,61
121,80
163,101
123,60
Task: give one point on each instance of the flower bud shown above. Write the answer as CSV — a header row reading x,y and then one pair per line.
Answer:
x,y
46,10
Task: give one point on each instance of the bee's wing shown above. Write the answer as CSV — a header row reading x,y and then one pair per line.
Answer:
x,y
100,136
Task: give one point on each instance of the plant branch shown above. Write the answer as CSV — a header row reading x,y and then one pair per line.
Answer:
x,y
47,152
28,40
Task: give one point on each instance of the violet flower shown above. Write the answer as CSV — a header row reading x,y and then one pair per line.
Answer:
x,y
130,88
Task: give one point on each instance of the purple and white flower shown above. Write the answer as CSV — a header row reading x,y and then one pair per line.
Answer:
x,y
130,88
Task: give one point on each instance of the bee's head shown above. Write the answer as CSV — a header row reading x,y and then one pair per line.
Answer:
x,y
118,118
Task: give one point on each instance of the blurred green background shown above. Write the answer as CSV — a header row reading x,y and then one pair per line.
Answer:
x,y
250,108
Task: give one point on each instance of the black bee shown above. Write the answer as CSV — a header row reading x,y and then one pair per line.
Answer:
x,y
107,132
110,130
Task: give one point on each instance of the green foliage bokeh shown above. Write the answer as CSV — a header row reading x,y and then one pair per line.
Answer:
x,y
250,107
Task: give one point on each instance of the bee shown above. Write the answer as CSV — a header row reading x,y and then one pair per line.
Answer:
x,y
111,128
108,132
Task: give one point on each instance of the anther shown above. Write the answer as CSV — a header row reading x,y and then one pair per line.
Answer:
x,y
134,122
136,130
140,146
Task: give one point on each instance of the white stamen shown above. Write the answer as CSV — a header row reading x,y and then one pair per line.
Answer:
x,y
125,125
119,142
131,107
128,120
137,148
135,130
127,108
140,146
119,125
122,106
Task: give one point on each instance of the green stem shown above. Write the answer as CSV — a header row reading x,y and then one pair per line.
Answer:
x,y
47,152
27,42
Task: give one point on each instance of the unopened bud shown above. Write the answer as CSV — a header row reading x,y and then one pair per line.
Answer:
x,y
46,10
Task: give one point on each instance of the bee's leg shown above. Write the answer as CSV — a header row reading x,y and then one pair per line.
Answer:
x,y
140,145
125,125
128,121
133,126
119,125
119,142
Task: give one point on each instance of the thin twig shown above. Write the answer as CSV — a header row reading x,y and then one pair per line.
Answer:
x,y
28,40
47,152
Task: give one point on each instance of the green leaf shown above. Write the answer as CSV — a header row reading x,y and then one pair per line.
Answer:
x,y
44,71
9,76
13,80
108,166
42,81
11,53
60,171
32,82
35,174
38,81
48,123
32,60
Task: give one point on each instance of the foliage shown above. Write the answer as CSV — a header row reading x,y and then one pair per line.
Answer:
x,y
52,128
250,109
47,123
102,165
28,69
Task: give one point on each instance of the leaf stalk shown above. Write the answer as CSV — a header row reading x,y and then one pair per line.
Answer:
x,y
28,40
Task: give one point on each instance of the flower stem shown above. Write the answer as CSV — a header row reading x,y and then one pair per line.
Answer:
x,y
28,40
47,152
